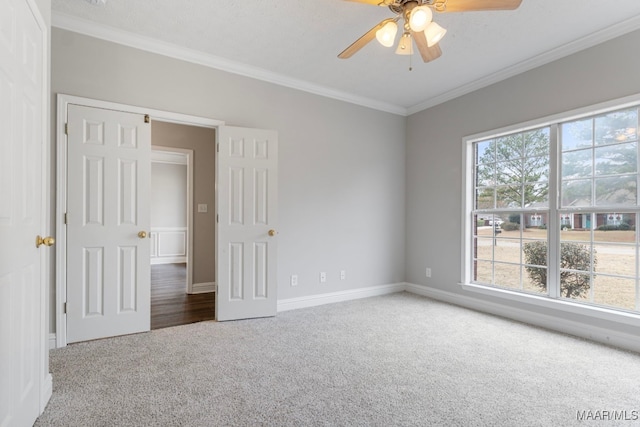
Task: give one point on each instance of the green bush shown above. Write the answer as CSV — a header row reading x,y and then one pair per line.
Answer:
x,y
480,223
573,256
622,226
510,226
515,218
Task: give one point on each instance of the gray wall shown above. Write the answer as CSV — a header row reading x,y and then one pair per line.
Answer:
x,y
202,142
341,166
434,146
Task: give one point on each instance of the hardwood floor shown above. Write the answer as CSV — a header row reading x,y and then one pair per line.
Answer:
x,y
170,303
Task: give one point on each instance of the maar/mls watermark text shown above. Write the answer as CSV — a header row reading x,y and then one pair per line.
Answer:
x,y
608,415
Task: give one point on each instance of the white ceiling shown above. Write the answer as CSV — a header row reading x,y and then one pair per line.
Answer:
x,y
296,42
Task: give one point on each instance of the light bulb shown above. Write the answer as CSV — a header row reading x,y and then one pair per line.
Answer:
x,y
387,34
420,17
405,47
434,33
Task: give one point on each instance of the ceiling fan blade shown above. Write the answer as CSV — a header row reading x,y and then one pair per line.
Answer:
x,y
478,5
374,2
427,53
362,41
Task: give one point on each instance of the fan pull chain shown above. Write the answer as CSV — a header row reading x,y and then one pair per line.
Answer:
x,y
410,62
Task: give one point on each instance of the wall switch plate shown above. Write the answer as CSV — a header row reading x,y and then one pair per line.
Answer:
x,y
294,280
323,277
203,208
343,274
427,272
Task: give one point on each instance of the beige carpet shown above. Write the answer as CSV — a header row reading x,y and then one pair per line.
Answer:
x,y
397,360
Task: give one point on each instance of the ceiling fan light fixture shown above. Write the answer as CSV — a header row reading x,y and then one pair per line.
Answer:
x,y
405,47
434,33
387,34
420,18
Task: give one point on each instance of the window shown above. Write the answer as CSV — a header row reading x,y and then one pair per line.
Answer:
x,y
552,210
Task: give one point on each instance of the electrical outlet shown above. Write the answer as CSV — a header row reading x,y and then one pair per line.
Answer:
x,y
323,277
294,280
343,274
428,272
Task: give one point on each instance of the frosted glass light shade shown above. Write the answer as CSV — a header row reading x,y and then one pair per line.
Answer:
x,y
434,33
387,34
420,18
405,47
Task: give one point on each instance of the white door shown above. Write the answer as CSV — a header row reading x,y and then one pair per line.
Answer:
x,y
247,233
108,185
21,214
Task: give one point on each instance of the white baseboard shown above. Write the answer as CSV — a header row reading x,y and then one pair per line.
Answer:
x,y
329,298
52,341
203,288
595,333
169,260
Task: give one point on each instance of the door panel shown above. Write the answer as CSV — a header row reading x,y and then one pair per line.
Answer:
x,y
108,268
21,217
247,197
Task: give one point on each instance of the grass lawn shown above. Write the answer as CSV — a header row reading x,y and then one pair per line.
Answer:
x,y
615,253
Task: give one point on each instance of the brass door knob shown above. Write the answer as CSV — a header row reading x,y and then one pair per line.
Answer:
x,y
272,233
47,241
142,234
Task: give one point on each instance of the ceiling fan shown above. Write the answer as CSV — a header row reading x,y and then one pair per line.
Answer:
x,y
418,25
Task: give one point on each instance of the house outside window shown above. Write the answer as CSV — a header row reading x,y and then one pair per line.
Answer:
x,y
569,189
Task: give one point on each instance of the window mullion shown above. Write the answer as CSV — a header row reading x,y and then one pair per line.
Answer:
x,y
637,249
553,227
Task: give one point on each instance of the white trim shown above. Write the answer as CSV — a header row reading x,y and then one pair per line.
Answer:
x,y
567,116
63,102
169,260
52,341
547,321
159,115
171,156
203,288
467,190
340,296
555,323
61,227
575,46
115,35
467,176
104,32
581,309
177,252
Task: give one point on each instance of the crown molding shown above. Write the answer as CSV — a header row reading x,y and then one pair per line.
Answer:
x,y
105,32
575,46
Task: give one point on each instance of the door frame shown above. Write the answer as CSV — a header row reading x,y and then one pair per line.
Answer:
x,y
188,154
63,101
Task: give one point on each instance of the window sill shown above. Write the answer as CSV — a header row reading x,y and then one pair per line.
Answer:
x,y
595,312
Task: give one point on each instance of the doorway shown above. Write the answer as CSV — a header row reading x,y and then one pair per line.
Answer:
x,y
242,234
182,224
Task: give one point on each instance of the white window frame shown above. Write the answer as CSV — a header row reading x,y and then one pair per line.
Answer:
x,y
552,301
